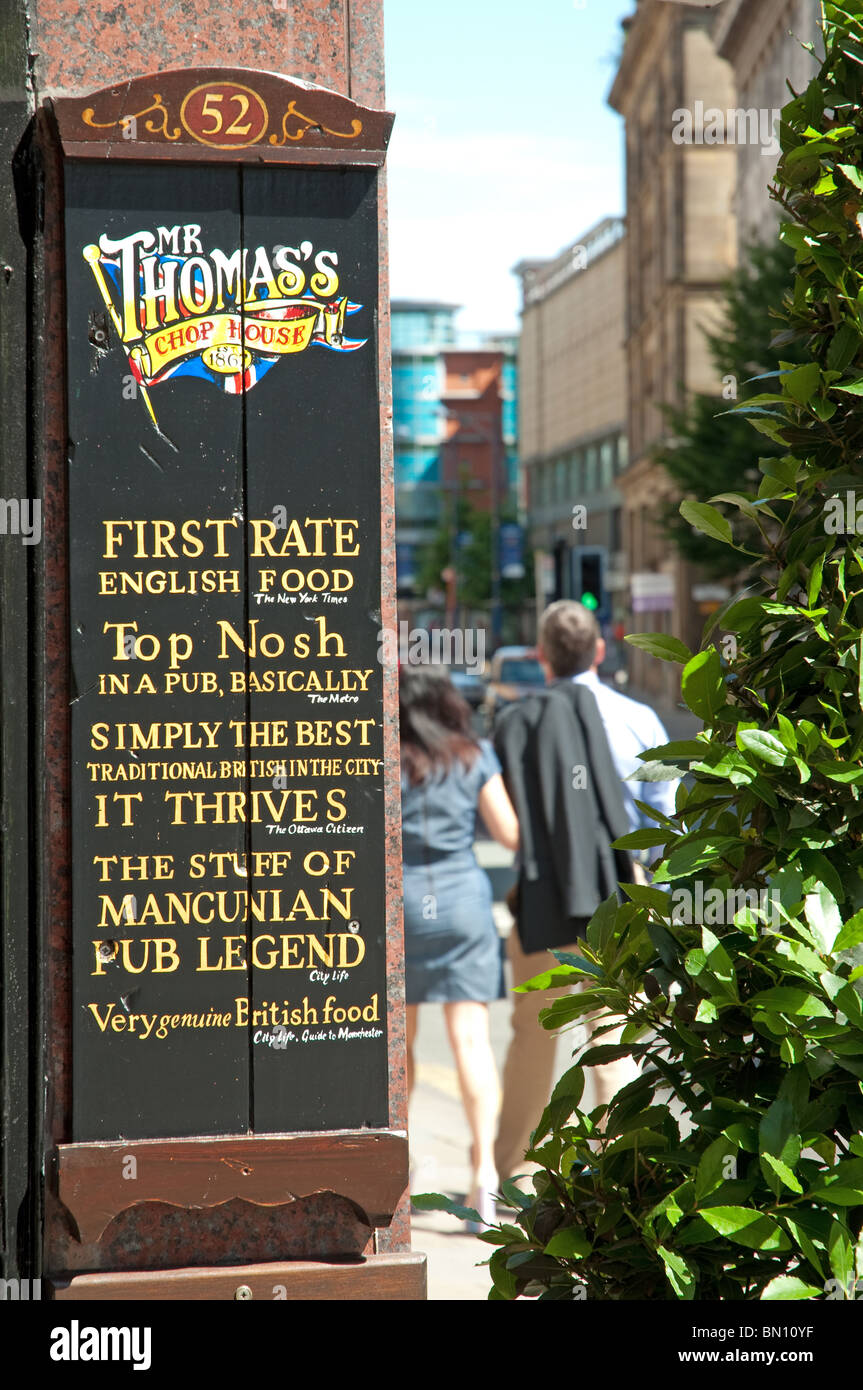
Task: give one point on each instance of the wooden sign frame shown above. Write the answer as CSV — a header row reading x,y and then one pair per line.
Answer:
x,y
344,1190
184,114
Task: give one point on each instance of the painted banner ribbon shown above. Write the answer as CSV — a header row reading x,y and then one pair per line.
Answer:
x,y
226,341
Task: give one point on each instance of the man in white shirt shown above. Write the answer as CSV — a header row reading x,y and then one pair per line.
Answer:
x,y
631,728
571,648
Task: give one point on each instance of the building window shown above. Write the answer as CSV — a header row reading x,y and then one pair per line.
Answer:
x,y
533,486
417,466
615,529
414,328
545,483
416,391
592,461
606,465
417,504
560,480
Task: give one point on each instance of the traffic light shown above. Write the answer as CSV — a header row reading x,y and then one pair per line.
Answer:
x,y
588,580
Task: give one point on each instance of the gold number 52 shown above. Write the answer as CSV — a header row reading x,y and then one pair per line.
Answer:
x,y
211,107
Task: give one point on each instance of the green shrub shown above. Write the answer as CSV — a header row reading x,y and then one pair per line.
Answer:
x,y
732,1168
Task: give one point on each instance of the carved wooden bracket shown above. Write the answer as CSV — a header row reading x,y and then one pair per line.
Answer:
x,y
237,115
97,1181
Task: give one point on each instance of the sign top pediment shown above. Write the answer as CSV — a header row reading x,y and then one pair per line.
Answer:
x,y
224,114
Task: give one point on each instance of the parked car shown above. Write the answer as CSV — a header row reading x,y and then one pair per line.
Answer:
x,y
513,673
469,684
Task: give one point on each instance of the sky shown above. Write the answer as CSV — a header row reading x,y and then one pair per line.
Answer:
x,y
504,147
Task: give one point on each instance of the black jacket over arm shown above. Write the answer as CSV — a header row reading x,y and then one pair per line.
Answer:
x,y
566,791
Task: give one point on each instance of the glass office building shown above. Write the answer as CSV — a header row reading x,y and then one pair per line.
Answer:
x,y
421,332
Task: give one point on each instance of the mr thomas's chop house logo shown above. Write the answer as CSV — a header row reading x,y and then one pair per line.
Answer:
x,y
226,316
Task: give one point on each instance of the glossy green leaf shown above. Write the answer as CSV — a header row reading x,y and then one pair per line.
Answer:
x,y
640,839
822,913
504,1279
787,999
709,520
716,1166
780,1171
853,173
436,1201
703,684
681,1275
569,1244
851,934
685,749
803,382
792,1049
815,578
786,1287
706,1012
766,746
658,644
746,1227
717,958
846,341
840,1253
698,853
654,772
838,1196
816,1254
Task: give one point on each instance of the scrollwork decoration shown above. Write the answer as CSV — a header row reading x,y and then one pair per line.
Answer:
x,y
125,122
309,123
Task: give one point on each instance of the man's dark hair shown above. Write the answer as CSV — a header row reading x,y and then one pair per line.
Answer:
x,y
568,634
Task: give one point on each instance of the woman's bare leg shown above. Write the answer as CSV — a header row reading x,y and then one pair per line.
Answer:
x,y
467,1026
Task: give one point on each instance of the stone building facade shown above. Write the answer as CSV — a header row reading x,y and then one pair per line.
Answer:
x,y
681,244
572,415
763,42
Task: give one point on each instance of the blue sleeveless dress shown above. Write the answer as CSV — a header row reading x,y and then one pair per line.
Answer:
x,y
452,948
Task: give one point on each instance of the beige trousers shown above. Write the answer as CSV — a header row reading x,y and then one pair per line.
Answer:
x,y
529,1068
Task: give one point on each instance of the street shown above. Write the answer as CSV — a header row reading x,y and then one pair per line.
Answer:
x,y
438,1130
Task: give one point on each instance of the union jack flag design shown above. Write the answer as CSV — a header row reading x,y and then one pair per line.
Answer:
x,y
233,346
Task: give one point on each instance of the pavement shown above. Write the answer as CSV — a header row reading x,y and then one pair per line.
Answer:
x,y
439,1137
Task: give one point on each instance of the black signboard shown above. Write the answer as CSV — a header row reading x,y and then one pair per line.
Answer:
x,y
224,523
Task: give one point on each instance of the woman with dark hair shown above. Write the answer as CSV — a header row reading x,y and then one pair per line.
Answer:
x,y
452,949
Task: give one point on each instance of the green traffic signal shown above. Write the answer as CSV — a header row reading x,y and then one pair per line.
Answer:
x,y
590,601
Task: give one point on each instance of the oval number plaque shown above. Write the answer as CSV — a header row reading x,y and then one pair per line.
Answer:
x,y
224,115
